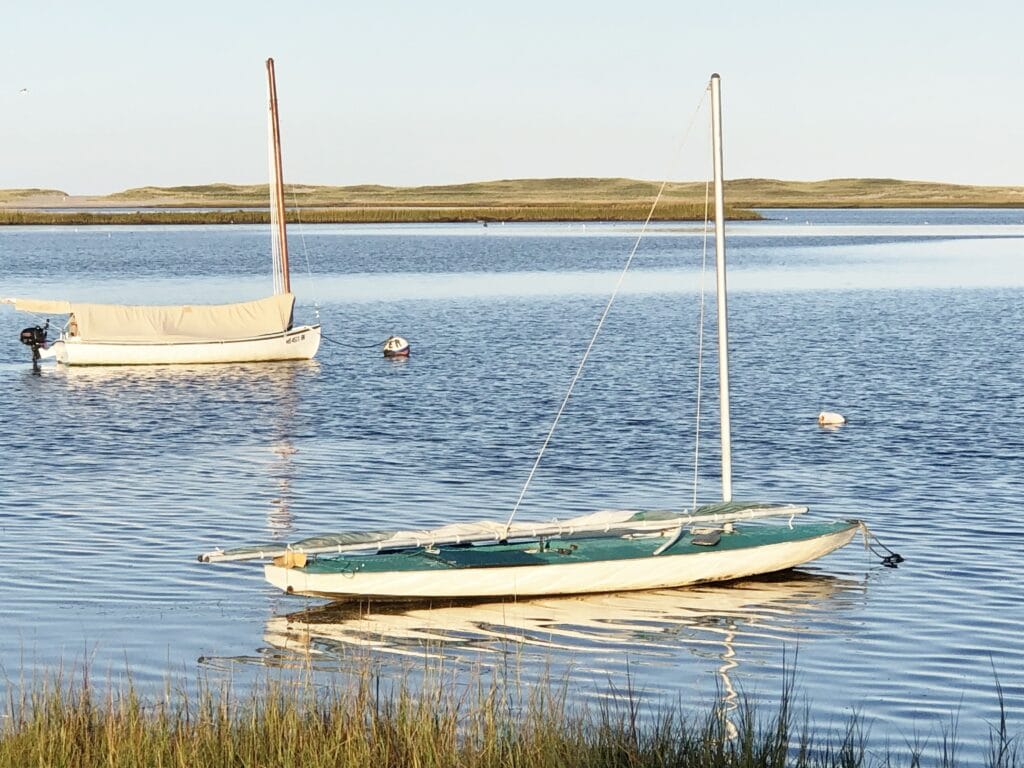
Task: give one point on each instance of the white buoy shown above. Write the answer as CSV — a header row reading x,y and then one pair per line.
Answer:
x,y
396,346
830,419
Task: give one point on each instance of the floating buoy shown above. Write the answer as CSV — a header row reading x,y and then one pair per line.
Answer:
x,y
396,346
830,419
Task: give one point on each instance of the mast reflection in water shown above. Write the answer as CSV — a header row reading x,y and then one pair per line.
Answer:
x,y
713,636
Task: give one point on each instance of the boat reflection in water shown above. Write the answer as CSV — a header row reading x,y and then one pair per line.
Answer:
x,y
160,403
646,640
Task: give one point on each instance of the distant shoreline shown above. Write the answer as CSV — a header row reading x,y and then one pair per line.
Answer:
x,y
516,200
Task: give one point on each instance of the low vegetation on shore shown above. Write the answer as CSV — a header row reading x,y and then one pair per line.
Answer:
x,y
376,722
581,212
572,199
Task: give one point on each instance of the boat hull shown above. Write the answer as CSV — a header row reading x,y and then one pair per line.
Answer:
x,y
296,344
642,572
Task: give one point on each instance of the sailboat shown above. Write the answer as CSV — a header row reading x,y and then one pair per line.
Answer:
x,y
606,551
252,331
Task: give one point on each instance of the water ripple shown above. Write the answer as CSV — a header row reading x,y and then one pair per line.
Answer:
x,y
113,479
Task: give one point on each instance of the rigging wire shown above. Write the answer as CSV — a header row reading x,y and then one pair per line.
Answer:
x,y
40,320
305,252
700,344
600,325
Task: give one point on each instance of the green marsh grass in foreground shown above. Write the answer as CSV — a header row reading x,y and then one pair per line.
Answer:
x,y
377,722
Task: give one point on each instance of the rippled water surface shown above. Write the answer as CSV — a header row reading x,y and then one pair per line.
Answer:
x,y
909,323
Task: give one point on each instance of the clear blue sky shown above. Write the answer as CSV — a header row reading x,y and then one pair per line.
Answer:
x,y
123,94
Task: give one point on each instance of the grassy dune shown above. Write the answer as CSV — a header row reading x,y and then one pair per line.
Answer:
x,y
868,193
740,193
27,196
577,199
507,193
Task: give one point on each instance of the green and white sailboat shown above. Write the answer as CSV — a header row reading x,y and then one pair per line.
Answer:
x,y
607,551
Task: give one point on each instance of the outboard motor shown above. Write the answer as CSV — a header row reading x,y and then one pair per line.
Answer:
x,y
35,337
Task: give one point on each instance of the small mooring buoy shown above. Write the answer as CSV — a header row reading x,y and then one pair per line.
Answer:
x,y
396,346
830,419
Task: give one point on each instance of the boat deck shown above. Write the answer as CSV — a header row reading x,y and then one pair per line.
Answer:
x,y
561,551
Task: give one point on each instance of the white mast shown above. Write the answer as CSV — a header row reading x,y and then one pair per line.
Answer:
x,y
723,329
723,324
278,230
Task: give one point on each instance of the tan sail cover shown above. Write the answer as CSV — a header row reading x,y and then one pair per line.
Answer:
x,y
168,324
40,306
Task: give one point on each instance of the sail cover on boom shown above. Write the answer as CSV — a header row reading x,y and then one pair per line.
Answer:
x,y
169,324
41,306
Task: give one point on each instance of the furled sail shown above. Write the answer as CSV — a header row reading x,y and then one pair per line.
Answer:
x,y
612,522
278,225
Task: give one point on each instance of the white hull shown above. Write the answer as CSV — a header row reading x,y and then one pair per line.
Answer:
x,y
563,579
297,344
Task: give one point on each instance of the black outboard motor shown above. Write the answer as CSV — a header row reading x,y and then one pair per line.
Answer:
x,y
35,337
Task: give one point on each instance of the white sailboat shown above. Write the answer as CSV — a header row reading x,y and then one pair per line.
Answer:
x,y
252,331
609,551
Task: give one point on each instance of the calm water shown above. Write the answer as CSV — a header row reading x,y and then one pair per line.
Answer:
x,y
907,322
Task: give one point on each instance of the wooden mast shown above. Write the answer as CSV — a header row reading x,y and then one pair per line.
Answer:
x,y
277,185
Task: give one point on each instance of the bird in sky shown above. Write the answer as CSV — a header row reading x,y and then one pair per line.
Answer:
x,y
23,92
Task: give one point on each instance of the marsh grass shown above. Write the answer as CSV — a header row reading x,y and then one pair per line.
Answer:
x,y
375,215
372,721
